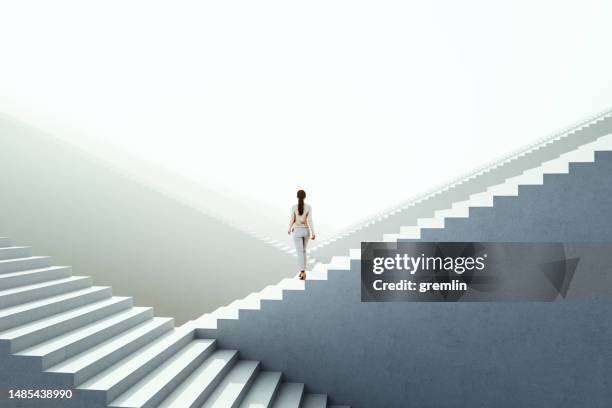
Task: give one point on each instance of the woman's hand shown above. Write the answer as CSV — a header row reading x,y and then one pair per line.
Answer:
x,y
313,237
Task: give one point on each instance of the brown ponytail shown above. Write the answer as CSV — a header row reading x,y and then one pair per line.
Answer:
x,y
301,195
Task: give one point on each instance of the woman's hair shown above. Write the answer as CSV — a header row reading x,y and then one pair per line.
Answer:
x,y
301,195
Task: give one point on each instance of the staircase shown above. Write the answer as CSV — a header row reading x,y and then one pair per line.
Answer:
x,y
456,211
565,199
58,331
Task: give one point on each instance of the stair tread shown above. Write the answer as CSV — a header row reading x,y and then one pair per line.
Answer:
x,y
32,271
57,318
61,341
39,285
289,395
27,258
263,390
315,401
118,371
145,389
203,379
49,300
86,358
18,264
233,386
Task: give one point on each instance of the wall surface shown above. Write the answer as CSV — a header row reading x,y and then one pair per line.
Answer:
x,y
443,355
141,242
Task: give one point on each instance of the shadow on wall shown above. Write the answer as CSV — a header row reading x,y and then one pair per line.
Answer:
x,y
126,235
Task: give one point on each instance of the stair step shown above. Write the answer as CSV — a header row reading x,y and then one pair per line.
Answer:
x,y
85,365
29,334
60,348
30,276
28,293
202,382
232,389
289,395
152,389
37,309
263,390
15,252
315,401
5,242
21,264
117,378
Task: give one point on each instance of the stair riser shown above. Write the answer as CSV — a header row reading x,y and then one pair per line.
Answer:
x,y
17,319
82,345
23,264
103,363
268,404
39,293
245,389
179,378
314,401
12,253
146,368
214,383
5,242
49,332
35,277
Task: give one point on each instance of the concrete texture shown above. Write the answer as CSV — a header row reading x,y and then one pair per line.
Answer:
x,y
447,355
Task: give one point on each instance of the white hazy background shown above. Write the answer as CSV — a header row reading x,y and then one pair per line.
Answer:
x,y
362,104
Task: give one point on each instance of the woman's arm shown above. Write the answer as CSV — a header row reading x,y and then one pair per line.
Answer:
x,y
310,224
291,221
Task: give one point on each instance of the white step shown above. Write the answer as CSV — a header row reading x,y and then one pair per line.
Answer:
x,y
29,334
263,391
28,293
31,276
202,382
291,284
156,386
21,264
271,292
122,375
15,252
92,361
234,386
315,401
434,222
289,396
411,231
62,347
5,242
27,312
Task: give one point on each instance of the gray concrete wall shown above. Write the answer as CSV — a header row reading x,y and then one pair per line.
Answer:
x,y
141,242
443,355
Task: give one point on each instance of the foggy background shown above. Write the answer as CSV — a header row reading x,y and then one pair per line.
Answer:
x,y
362,104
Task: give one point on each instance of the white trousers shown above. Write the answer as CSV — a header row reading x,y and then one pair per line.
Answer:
x,y
301,236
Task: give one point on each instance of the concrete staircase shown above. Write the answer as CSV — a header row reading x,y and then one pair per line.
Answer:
x,y
458,210
58,331
435,354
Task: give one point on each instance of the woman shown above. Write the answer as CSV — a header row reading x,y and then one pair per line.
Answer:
x,y
302,228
